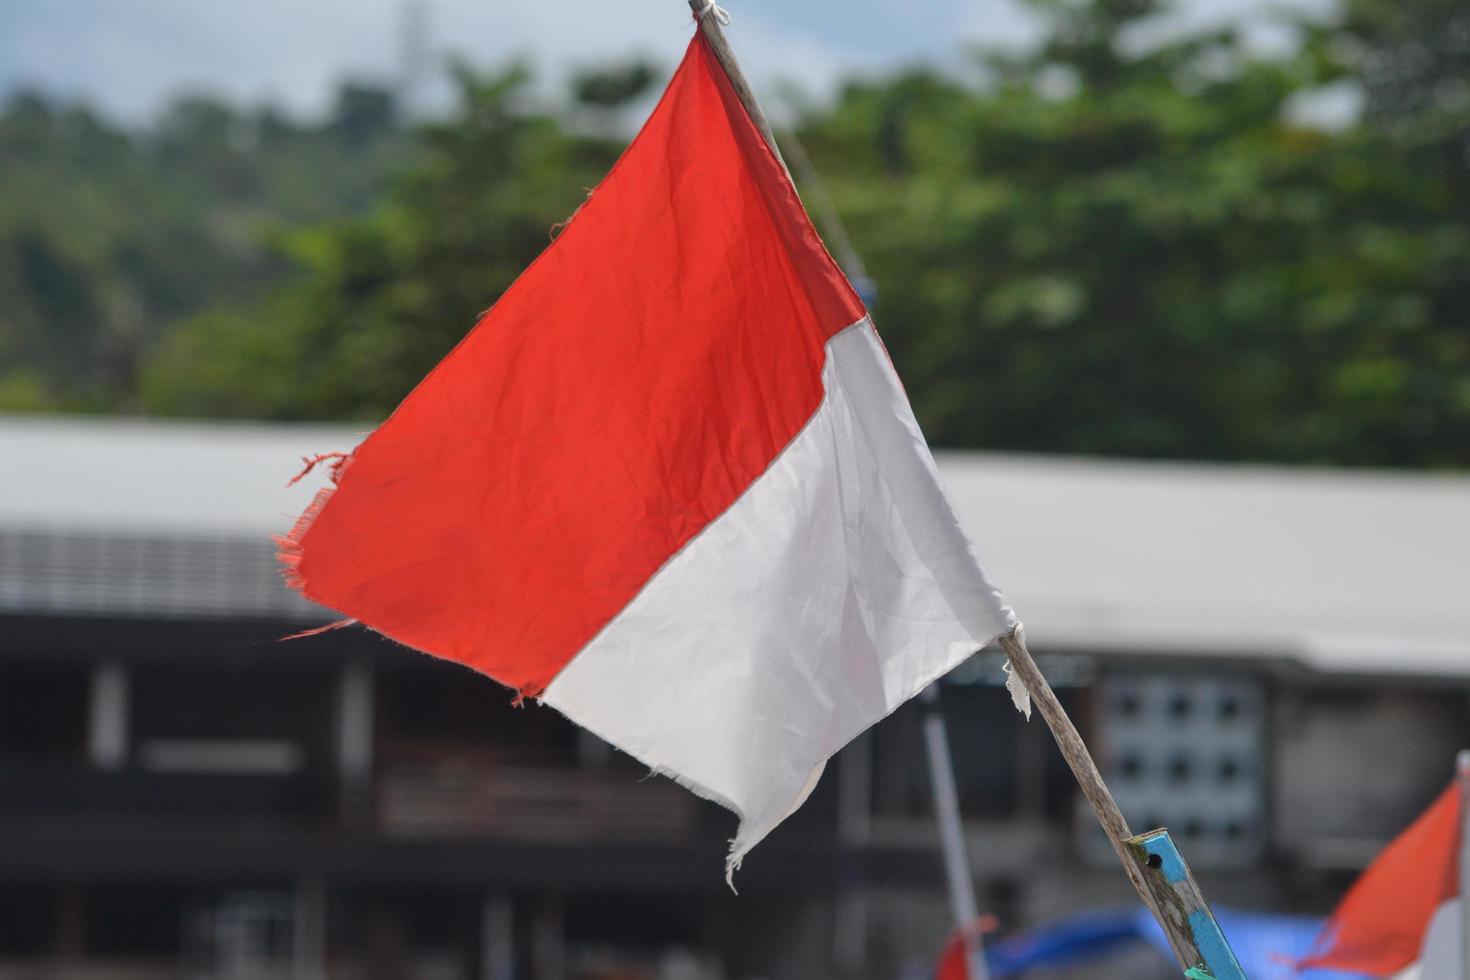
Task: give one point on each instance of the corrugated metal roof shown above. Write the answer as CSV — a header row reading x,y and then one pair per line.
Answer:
x,y
125,517
1346,571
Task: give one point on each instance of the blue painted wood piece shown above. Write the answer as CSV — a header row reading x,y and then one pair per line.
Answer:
x,y
1187,906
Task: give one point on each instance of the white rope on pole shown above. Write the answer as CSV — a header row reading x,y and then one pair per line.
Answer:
x,y
710,7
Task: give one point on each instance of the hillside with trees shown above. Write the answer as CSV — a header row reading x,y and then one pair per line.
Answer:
x,y
1104,245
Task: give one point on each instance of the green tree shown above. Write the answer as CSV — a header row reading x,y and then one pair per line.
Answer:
x,y
1120,242
109,237
1412,60
1134,251
379,299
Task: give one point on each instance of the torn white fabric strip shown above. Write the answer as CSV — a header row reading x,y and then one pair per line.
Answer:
x,y
1020,694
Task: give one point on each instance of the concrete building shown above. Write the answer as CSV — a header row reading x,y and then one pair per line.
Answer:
x,y
1275,663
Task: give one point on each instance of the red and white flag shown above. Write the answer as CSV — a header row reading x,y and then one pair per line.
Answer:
x,y
670,484
1401,919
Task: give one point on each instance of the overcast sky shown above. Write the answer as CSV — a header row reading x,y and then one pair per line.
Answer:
x,y
130,56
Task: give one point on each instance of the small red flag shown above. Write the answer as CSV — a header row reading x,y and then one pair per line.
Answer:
x,y
1404,910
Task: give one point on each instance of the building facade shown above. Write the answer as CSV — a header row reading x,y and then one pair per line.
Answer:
x,y
184,793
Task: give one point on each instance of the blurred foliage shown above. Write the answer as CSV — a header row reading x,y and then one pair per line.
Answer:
x,y
613,86
1105,245
1140,253
378,299
1414,62
110,238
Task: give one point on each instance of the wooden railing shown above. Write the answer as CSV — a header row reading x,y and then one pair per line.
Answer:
x,y
462,795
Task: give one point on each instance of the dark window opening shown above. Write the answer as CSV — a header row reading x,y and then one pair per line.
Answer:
x,y
43,714
228,719
1003,767
443,708
134,921
27,920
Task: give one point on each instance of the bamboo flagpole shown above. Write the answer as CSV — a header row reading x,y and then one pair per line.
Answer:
x,y
1074,750
1153,865
712,20
1151,862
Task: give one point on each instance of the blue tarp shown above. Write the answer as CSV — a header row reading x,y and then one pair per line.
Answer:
x,y
1265,945
1079,939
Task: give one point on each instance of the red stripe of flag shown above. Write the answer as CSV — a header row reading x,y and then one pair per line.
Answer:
x,y
620,396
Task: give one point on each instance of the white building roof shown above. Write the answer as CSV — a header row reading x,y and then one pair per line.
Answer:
x,y
1346,571
215,478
